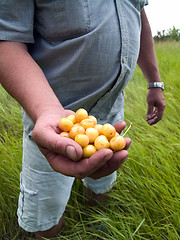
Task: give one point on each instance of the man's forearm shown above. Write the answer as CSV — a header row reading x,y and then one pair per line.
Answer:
x,y
147,57
24,80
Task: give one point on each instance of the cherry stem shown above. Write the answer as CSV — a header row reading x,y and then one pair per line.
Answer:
x,y
127,129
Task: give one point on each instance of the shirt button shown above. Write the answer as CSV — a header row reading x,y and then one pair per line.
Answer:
x,y
124,60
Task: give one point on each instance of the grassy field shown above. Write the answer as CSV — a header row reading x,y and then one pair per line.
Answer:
x,y
146,201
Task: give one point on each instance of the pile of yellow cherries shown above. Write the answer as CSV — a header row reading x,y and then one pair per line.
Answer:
x,y
90,135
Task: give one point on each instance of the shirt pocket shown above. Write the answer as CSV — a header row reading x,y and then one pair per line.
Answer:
x,y
60,20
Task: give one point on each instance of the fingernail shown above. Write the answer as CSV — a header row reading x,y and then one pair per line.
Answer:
x,y
71,152
108,157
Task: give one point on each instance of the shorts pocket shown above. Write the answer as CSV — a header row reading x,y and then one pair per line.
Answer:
x,y
53,196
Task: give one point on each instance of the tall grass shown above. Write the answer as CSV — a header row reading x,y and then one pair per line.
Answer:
x,y
146,201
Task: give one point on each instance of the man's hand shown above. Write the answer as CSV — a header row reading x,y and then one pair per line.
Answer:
x,y
59,151
148,63
156,105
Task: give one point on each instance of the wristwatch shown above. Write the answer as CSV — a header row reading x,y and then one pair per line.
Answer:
x,y
156,85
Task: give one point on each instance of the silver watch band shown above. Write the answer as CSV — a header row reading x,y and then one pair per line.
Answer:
x,y
156,85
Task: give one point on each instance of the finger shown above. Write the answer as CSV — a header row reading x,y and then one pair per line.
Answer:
x,y
112,165
89,165
128,143
149,112
153,121
156,117
79,169
69,112
160,111
154,113
119,126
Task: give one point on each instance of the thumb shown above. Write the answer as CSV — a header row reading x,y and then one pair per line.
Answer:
x,y
50,141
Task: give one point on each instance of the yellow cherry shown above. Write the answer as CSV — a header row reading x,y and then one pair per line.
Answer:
x,y
72,118
75,130
93,118
82,139
65,124
117,143
81,114
88,151
99,128
87,123
64,134
92,133
108,130
101,142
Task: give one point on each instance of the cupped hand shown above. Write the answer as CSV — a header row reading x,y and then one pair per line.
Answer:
x,y
156,105
63,154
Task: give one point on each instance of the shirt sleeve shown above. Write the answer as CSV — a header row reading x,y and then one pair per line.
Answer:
x,y
146,2
17,20
143,3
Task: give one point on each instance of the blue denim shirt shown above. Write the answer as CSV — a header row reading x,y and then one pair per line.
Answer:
x,y
87,49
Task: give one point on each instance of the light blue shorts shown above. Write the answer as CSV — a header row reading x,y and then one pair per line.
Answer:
x,y
44,193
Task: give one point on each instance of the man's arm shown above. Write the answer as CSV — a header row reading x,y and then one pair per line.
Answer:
x,y
24,80
148,63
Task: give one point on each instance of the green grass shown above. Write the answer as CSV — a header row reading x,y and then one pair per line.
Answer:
x,y
146,201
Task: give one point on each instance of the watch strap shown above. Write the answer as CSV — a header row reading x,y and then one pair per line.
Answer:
x,y
156,85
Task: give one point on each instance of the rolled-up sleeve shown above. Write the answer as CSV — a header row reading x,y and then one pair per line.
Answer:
x,y
143,3
17,20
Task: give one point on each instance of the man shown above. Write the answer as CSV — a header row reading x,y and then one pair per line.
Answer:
x,y
58,56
